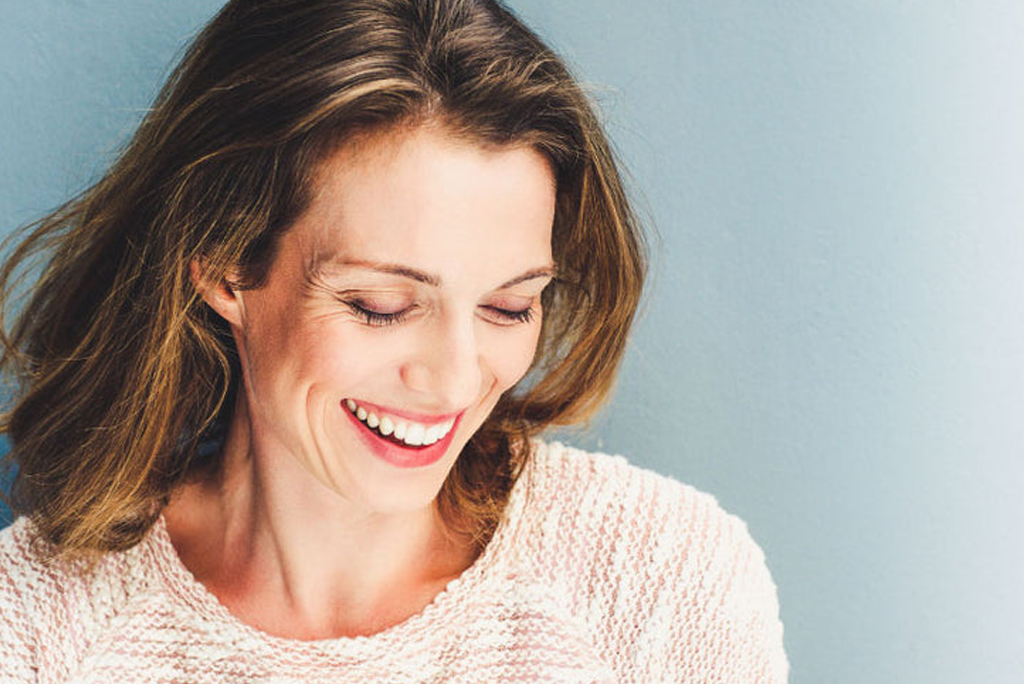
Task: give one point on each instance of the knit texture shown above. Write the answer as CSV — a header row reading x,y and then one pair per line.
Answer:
x,y
600,572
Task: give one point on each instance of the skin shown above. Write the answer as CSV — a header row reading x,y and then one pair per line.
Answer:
x,y
306,533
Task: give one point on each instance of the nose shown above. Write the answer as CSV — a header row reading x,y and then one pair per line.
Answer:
x,y
445,367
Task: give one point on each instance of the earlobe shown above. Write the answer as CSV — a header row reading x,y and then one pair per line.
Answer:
x,y
217,293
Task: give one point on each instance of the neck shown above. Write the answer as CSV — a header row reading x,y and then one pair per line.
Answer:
x,y
285,553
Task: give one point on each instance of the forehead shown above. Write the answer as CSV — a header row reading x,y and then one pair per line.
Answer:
x,y
423,196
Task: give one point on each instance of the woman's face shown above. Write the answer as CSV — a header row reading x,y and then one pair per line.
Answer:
x,y
400,307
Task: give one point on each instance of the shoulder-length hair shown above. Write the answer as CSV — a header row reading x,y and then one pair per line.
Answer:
x,y
124,375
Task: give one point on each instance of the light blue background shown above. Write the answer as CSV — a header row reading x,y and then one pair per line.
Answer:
x,y
834,344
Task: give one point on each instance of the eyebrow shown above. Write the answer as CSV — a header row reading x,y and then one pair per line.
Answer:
x,y
549,271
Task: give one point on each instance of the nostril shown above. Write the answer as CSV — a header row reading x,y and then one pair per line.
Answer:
x,y
450,380
414,376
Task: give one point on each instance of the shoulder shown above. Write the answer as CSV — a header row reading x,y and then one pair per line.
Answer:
x,y
27,577
54,608
606,493
663,573
27,585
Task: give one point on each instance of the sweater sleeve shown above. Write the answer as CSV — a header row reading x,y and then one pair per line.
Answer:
x,y
741,633
18,648
674,588
724,624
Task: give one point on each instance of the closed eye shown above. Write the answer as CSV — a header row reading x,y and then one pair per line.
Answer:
x,y
495,314
510,316
377,318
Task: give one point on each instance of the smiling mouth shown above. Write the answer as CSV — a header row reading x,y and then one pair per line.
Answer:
x,y
400,431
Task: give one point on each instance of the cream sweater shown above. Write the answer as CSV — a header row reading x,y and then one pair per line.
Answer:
x,y
600,572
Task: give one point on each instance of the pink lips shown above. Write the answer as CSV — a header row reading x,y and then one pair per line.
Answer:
x,y
401,455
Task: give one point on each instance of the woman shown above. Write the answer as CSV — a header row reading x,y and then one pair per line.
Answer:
x,y
284,369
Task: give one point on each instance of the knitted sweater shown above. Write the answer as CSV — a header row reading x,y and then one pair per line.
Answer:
x,y
599,572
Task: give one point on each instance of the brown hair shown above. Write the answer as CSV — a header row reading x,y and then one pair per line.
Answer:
x,y
126,377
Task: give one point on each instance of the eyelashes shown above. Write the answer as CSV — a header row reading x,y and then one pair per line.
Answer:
x,y
508,316
377,318
381,319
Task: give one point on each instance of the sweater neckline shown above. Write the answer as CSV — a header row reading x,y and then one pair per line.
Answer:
x,y
185,588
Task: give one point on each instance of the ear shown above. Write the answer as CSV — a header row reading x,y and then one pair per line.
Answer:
x,y
218,294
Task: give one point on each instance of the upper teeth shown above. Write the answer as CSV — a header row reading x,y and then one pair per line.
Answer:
x,y
410,432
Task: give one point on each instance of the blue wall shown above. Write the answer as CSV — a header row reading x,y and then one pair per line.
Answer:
x,y
834,344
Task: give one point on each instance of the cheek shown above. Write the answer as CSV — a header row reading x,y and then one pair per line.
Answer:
x,y
271,339
511,355
291,360
338,358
